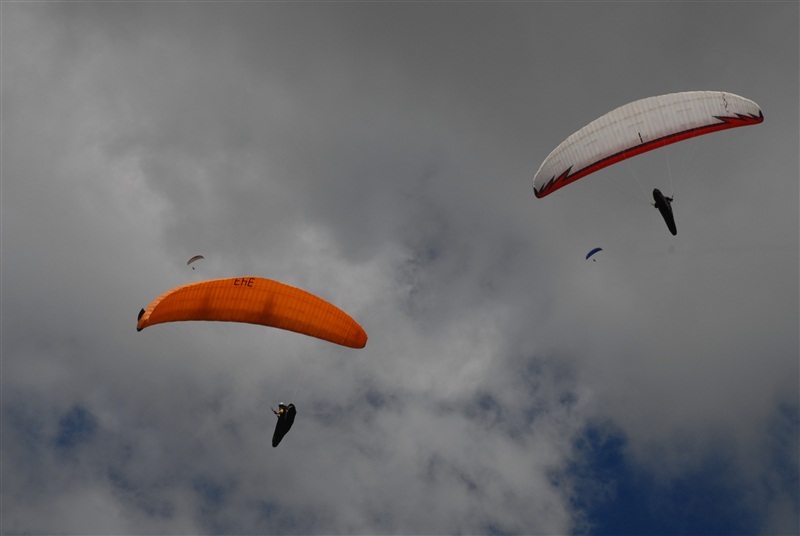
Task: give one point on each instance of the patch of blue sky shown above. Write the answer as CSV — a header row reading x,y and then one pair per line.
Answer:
x,y
77,425
618,497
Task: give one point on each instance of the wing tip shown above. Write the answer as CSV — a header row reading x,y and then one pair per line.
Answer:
x,y
360,342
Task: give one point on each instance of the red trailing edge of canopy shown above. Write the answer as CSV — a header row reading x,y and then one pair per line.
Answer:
x,y
726,122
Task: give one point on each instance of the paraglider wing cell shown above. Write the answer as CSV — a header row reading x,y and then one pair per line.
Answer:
x,y
255,300
639,127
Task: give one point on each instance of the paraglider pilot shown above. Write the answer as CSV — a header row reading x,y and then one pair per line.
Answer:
x,y
285,416
664,206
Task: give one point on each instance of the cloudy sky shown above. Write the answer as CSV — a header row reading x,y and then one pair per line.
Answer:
x,y
381,155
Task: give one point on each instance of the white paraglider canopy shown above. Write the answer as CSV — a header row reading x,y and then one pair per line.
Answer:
x,y
638,127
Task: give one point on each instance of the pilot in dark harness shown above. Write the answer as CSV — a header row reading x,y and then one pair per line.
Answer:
x,y
664,206
285,416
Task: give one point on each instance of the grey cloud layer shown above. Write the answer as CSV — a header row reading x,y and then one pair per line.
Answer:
x,y
381,156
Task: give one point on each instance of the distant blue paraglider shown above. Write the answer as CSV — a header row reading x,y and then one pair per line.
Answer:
x,y
592,253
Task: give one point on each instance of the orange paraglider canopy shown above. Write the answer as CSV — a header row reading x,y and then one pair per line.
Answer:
x,y
255,300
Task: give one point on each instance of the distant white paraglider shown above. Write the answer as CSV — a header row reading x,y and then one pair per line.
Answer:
x,y
193,259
